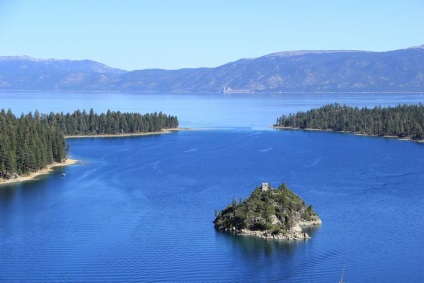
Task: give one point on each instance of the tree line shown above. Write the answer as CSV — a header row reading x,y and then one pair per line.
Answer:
x,y
28,144
33,141
111,123
404,121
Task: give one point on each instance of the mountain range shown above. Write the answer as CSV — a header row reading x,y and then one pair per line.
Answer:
x,y
297,71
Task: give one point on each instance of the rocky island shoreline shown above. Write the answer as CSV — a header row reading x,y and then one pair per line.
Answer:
x,y
269,213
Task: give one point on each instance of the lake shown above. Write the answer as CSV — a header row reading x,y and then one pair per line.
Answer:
x,y
141,208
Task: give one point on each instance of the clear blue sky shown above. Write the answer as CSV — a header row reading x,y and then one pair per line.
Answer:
x,y
174,34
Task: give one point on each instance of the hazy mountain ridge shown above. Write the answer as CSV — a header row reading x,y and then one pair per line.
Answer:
x,y
27,73
292,71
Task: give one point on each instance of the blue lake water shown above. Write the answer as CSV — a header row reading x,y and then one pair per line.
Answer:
x,y
141,208
200,110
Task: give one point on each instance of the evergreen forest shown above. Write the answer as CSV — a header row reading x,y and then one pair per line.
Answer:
x,y
111,123
33,141
404,121
28,144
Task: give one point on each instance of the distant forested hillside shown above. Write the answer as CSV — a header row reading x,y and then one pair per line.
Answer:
x,y
401,121
297,71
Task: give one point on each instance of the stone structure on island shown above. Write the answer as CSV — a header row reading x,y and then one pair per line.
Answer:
x,y
269,213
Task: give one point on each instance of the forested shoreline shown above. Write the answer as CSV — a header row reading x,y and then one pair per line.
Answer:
x,y
28,144
111,123
403,121
33,141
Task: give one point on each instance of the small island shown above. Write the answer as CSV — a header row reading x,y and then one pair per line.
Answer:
x,y
269,213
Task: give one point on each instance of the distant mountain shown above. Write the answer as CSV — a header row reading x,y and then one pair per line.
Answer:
x,y
296,71
26,73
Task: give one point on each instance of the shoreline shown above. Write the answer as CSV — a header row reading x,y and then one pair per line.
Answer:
x,y
70,161
164,131
346,132
33,175
296,233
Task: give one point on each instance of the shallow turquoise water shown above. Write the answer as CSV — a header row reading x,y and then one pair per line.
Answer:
x,y
141,208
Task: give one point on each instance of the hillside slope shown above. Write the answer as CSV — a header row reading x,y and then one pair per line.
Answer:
x,y
297,71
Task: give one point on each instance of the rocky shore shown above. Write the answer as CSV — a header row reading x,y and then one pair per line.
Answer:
x,y
294,234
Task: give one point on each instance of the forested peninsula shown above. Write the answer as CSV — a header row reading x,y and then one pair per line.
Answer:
x,y
269,213
33,142
403,121
81,123
28,144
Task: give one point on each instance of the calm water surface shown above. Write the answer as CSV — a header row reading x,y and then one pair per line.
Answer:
x,y
255,111
141,208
